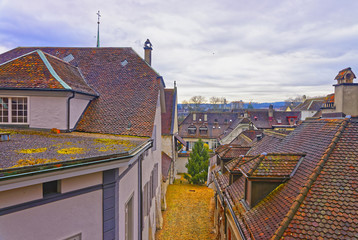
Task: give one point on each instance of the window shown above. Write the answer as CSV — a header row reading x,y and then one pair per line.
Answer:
x,y
51,188
203,130
192,129
129,219
13,110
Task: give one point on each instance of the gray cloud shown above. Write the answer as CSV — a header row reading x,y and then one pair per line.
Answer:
x,y
262,50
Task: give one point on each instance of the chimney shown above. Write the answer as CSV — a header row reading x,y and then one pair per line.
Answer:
x,y
346,93
148,52
270,112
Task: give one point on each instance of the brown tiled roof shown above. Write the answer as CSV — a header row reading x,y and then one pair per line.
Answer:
x,y
270,140
168,116
330,209
246,138
41,71
217,123
166,162
261,120
127,85
272,165
229,151
334,182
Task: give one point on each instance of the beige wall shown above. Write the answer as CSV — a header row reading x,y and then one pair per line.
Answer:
x,y
20,195
346,99
234,133
74,183
78,105
48,112
128,186
167,145
57,220
150,159
180,164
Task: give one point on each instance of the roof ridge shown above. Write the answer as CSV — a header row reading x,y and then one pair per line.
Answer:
x,y
253,169
312,178
52,71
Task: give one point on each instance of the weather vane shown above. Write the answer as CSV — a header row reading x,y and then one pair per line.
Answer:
x,y
99,15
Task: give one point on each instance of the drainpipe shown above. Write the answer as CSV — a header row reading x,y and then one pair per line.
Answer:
x,y
68,111
140,199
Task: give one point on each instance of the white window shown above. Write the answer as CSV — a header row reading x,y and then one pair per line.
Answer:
x,y
14,110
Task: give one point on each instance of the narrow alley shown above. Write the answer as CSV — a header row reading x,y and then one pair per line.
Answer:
x,y
189,213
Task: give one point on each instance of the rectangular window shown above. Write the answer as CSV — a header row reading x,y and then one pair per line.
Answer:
x,y
129,219
13,110
51,188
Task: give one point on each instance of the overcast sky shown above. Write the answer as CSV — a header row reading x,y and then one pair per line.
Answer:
x,y
253,50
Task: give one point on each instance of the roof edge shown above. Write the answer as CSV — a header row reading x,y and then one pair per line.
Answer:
x,y
310,181
52,71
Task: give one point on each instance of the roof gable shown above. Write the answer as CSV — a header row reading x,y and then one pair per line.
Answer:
x,y
128,92
39,71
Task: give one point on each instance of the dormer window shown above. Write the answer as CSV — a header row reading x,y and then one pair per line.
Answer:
x,y
225,121
279,121
192,129
266,172
215,120
13,110
203,130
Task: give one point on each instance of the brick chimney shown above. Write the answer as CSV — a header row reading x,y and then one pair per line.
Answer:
x,y
148,52
270,112
346,93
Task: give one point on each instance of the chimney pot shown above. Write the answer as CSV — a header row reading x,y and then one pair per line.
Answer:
x,y
148,52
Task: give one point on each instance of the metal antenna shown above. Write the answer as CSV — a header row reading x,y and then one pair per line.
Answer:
x,y
99,15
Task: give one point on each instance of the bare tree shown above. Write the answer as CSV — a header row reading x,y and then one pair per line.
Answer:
x,y
214,100
197,100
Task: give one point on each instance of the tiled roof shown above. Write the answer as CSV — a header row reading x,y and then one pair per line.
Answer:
x,y
167,117
246,138
272,165
216,123
330,209
127,85
38,70
342,73
229,151
261,120
270,140
313,104
166,162
28,147
315,138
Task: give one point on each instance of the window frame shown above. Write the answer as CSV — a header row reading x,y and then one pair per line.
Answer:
x,y
191,130
10,122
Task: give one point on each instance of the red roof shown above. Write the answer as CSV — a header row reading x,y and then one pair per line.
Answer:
x,y
127,85
38,70
320,197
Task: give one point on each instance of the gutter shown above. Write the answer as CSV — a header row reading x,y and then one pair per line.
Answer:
x,y
68,111
225,201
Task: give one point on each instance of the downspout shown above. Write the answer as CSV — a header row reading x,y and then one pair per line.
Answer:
x,y
68,111
140,199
